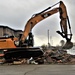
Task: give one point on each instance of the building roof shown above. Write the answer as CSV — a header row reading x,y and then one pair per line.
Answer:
x,y
1,26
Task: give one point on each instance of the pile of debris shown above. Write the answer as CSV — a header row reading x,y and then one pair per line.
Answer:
x,y
53,56
59,56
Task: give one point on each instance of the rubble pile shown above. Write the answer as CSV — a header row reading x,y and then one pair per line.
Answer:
x,y
59,56
54,56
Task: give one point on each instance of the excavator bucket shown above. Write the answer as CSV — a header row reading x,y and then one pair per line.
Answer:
x,y
68,45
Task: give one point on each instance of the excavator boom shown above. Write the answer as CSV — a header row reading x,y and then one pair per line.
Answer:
x,y
34,20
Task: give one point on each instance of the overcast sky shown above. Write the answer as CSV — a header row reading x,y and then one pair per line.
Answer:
x,y
15,14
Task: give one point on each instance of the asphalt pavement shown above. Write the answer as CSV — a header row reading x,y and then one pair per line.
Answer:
x,y
37,69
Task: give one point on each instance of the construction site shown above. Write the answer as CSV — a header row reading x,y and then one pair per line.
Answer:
x,y
17,46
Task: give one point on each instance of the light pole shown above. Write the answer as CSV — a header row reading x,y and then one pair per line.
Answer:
x,y
48,40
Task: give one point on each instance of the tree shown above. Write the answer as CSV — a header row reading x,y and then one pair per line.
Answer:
x,y
62,42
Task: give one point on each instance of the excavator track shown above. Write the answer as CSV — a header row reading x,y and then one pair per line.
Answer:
x,y
19,53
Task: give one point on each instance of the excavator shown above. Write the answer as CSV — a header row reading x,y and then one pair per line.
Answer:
x,y
23,47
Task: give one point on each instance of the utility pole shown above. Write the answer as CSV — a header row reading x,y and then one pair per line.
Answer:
x,y
48,40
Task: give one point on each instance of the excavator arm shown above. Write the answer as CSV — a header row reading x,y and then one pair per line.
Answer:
x,y
46,13
65,26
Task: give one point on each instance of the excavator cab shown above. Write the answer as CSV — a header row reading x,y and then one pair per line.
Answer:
x,y
28,42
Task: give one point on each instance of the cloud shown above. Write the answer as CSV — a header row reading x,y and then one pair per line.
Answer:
x,y
42,39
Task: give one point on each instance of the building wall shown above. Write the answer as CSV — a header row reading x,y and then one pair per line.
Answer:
x,y
1,31
4,30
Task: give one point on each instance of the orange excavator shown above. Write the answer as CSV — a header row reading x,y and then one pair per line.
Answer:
x,y
23,47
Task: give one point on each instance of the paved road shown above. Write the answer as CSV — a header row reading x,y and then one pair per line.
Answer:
x,y
37,69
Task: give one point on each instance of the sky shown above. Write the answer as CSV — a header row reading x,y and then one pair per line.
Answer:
x,y
16,13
